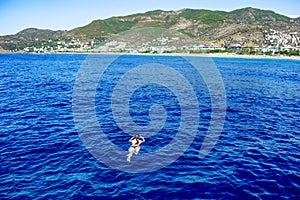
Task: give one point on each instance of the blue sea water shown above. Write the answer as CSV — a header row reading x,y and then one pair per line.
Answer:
x,y
42,156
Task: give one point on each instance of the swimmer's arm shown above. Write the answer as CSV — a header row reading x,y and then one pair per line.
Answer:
x,y
143,139
131,139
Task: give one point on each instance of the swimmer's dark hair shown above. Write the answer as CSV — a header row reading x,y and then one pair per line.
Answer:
x,y
137,136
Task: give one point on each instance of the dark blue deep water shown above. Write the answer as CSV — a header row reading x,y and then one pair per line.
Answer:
x,y
42,156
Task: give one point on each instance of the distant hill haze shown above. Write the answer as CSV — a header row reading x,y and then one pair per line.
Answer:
x,y
247,27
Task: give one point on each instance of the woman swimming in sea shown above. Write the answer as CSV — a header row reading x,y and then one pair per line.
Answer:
x,y
136,141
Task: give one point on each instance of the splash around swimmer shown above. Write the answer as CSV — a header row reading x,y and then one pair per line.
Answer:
x,y
136,141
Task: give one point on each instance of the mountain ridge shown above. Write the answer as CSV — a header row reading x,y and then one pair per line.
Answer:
x,y
246,26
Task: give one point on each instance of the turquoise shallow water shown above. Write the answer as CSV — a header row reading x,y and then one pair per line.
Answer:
x,y
256,156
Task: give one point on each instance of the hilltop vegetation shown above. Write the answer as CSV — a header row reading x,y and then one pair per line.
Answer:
x,y
246,26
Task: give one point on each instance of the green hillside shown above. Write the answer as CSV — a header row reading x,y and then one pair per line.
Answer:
x,y
201,21
246,26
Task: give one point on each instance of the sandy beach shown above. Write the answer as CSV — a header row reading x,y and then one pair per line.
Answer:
x,y
217,55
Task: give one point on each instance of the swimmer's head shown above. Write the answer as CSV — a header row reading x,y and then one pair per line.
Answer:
x,y
137,136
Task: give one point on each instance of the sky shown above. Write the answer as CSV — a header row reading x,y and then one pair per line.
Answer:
x,y
16,15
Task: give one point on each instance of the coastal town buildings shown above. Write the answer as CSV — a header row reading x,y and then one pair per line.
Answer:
x,y
275,42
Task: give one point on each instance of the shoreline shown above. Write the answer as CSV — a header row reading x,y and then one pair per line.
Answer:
x,y
212,55
229,55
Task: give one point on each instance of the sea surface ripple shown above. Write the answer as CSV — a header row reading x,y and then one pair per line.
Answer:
x,y
256,157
